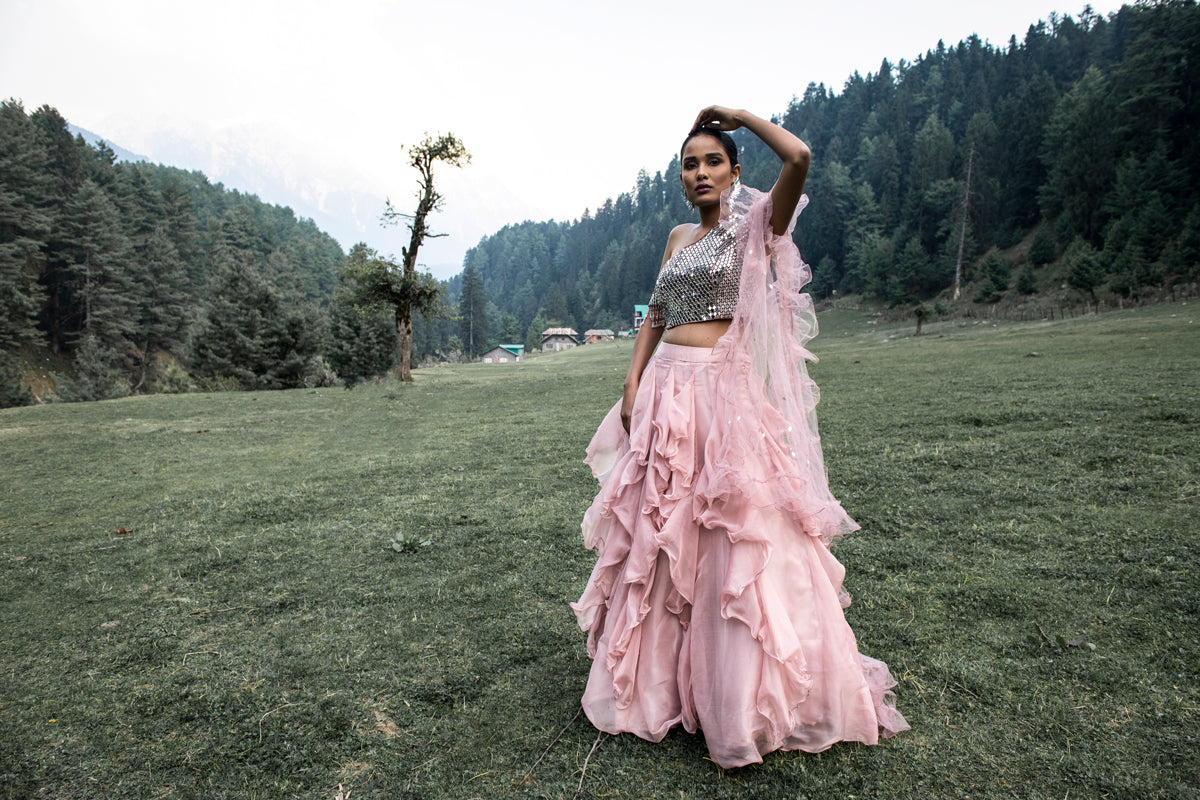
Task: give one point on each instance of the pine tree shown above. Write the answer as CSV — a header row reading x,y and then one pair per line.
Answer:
x,y
935,196
102,297
1042,249
64,165
1079,154
1084,270
472,314
12,391
1027,280
26,208
995,268
863,239
163,312
533,336
828,225
361,346
250,333
178,215
1181,256
873,267
510,329
1131,270
904,282
99,372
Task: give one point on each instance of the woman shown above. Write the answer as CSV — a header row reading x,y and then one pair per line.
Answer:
x,y
715,602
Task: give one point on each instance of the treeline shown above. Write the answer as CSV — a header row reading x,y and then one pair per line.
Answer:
x,y
137,277
1084,131
1078,141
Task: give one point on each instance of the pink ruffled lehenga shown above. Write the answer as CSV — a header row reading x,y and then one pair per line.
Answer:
x,y
715,602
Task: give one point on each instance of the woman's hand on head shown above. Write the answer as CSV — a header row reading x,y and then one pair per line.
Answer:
x,y
719,117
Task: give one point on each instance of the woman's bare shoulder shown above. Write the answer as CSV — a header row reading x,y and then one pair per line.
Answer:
x,y
677,239
681,232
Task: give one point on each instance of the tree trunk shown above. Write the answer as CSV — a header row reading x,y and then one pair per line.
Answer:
x,y
962,236
404,332
443,148
145,359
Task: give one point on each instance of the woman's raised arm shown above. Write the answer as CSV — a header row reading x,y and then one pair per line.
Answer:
x,y
794,154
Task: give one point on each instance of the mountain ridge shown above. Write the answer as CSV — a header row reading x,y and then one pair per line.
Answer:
x,y
347,208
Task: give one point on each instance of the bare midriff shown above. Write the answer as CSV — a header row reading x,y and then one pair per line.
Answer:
x,y
697,334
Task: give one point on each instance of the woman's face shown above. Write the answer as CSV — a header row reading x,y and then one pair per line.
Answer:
x,y
707,170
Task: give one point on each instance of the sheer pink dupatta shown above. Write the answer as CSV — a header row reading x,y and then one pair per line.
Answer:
x,y
770,451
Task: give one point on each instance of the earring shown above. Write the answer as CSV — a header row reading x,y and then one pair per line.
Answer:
x,y
691,206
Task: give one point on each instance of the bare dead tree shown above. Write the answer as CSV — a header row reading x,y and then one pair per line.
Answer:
x,y
409,289
962,235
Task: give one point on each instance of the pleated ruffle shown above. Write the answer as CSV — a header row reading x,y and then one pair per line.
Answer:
x,y
712,604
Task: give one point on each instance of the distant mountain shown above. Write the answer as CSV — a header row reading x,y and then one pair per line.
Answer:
x,y
346,207
95,139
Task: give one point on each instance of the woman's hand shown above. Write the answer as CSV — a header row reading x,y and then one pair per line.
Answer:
x,y
719,117
627,404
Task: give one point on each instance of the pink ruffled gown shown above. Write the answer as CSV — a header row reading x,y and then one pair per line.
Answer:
x,y
715,602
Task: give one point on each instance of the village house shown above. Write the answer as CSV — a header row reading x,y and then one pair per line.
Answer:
x,y
555,339
503,353
598,335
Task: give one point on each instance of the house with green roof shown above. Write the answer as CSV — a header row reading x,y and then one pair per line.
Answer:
x,y
503,353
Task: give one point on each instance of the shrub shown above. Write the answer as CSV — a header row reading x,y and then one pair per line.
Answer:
x,y
12,391
1027,280
173,379
1042,249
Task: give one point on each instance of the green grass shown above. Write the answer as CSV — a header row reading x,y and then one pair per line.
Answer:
x,y
1028,568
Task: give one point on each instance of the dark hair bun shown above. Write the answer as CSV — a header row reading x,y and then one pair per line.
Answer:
x,y
724,138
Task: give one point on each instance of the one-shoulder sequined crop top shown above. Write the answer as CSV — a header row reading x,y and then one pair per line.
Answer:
x,y
699,283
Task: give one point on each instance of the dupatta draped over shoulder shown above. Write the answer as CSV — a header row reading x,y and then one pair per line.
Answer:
x,y
715,601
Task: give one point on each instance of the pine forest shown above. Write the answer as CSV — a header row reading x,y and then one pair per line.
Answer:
x,y
1060,167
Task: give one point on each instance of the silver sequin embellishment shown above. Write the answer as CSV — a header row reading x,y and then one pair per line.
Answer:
x,y
699,283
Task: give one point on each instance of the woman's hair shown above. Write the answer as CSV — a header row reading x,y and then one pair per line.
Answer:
x,y
724,138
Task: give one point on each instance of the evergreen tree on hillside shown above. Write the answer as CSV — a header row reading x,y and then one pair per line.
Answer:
x,y
248,331
1181,255
472,314
1079,151
1027,280
1042,249
1084,269
361,346
106,262
180,224
164,311
26,213
1154,86
509,331
101,296
12,391
64,154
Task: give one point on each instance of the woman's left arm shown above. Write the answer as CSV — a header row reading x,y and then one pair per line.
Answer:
x,y
794,154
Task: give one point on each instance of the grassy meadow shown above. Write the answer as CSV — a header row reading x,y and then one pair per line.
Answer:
x,y
200,596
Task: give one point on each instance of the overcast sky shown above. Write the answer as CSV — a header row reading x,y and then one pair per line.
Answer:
x,y
560,101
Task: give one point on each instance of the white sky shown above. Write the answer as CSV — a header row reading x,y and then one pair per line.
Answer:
x,y
560,101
